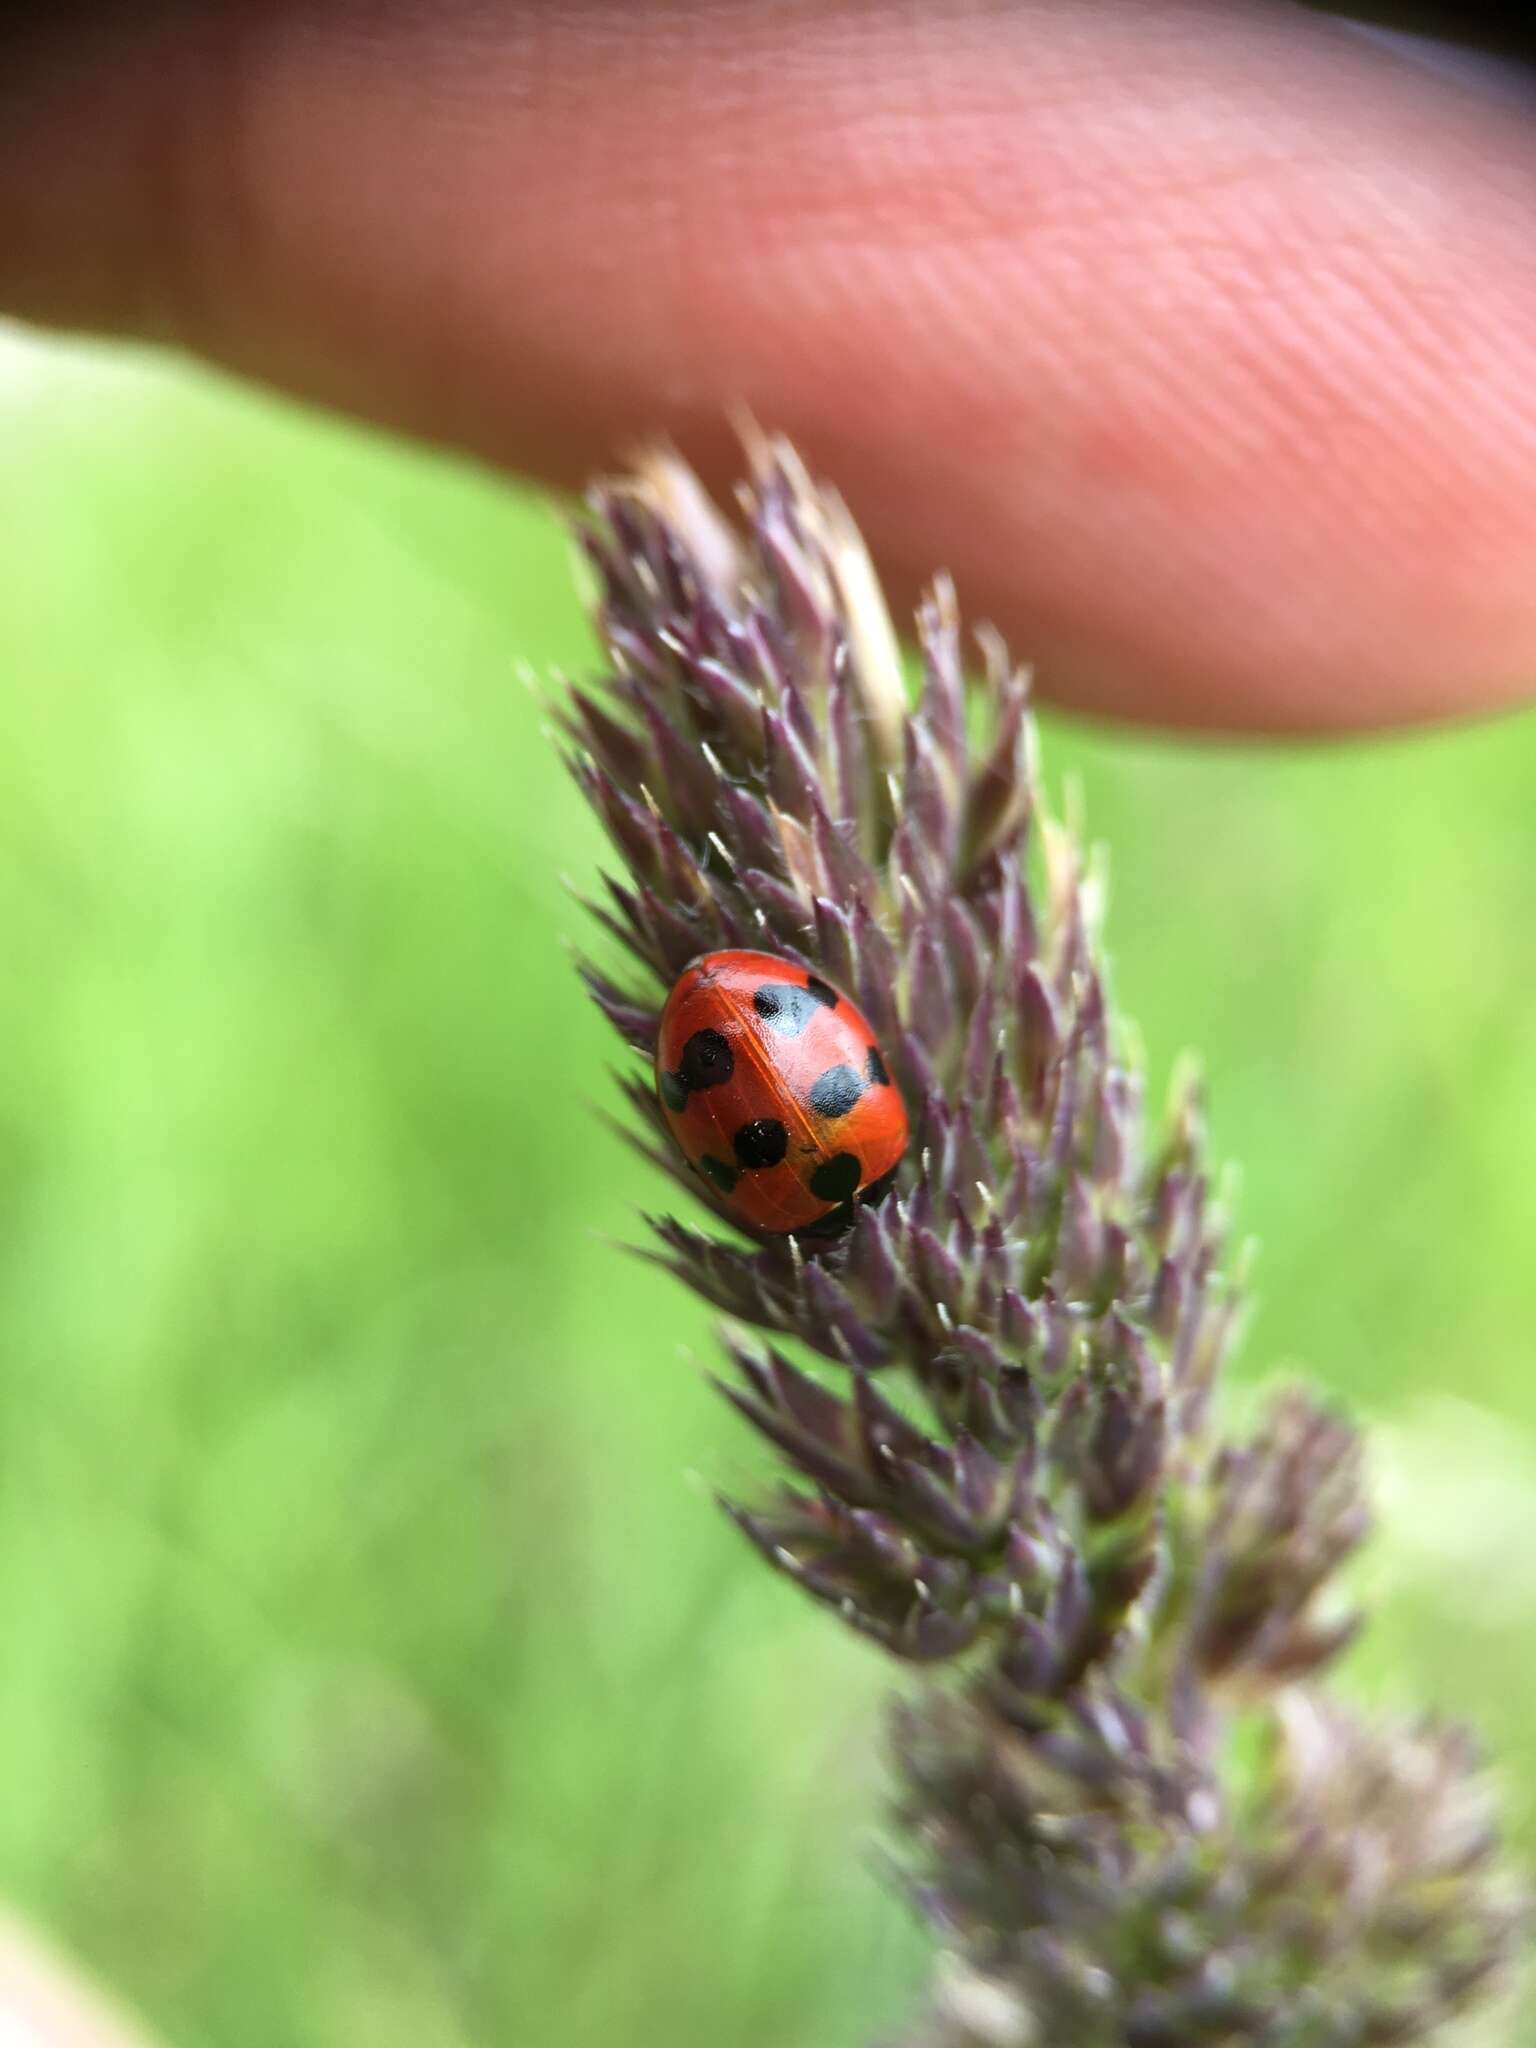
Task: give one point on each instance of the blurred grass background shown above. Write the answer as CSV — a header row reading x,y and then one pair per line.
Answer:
x,y
375,1667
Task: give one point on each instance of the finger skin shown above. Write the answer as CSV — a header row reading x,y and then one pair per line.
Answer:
x,y
1199,340
46,2003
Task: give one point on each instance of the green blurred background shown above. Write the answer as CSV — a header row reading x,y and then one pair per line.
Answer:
x,y
376,1669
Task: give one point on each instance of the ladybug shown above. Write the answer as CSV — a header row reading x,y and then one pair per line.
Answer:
x,y
775,1089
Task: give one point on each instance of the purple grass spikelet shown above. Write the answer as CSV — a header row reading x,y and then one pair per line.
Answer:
x,y
1128,1807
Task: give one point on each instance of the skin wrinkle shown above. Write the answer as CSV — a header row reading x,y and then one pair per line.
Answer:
x,y
1211,390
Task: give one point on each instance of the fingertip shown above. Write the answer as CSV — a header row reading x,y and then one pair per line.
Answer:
x,y
1198,341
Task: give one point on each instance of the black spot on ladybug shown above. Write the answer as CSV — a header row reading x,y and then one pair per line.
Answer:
x,y
821,991
836,1223
874,1066
724,1177
762,1143
707,1060
674,1091
784,1009
835,1092
837,1178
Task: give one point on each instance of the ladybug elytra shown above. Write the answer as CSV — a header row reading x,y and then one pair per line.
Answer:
x,y
774,1087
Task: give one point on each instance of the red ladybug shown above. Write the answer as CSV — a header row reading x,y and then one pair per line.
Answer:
x,y
775,1089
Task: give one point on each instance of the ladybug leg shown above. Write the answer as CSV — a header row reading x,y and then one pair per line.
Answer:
x,y
872,1196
